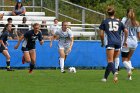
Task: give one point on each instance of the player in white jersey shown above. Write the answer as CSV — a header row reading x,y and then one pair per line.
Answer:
x,y
132,42
54,27
65,43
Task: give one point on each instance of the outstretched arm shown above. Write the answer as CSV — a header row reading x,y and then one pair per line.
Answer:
x,y
17,45
41,42
71,43
52,38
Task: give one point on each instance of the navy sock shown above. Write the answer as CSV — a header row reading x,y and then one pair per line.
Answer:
x,y
31,66
107,71
113,68
8,64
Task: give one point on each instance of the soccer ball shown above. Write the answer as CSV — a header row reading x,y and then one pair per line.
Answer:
x,y
72,69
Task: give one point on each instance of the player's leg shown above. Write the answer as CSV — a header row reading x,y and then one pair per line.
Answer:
x,y
6,54
116,59
32,53
126,64
129,57
62,58
66,51
26,55
110,66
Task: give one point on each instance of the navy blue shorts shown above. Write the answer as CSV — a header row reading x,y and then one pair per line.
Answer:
x,y
116,47
27,49
2,48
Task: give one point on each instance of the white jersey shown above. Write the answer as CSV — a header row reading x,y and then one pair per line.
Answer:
x,y
64,38
132,33
54,28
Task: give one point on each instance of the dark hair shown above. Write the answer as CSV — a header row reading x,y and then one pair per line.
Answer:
x,y
9,19
110,11
55,19
5,28
16,7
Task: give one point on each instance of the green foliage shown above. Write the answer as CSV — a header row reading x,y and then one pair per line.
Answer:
x,y
120,5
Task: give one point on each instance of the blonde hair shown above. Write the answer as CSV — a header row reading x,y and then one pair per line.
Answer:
x,y
132,17
36,24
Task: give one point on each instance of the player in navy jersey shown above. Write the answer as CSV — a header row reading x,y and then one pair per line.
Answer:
x,y
111,33
65,43
3,44
133,34
28,45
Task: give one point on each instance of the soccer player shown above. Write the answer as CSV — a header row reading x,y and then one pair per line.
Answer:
x,y
3,44
28,45
111,28
65,43
133,34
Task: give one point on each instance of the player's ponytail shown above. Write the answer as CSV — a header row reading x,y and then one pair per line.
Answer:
x,y
132,17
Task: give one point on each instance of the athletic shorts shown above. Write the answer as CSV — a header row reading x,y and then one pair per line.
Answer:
x,y
127,49
65,48
26,49
2,48
116,47
124,54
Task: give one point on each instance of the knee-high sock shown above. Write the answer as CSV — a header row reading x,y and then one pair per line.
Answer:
x,y
61,63
117,61
127,66
32,66
110,67
8,64
130,63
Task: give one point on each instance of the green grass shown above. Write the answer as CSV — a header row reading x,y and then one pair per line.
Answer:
x,y
52,81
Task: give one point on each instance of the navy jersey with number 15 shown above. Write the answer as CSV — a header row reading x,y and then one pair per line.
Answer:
x,y
112,28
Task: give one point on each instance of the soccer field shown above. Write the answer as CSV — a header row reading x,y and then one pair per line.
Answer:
x,y
52,81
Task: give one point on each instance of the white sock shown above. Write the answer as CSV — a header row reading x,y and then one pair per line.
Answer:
x,y
130,63
61,63
117,61
127,66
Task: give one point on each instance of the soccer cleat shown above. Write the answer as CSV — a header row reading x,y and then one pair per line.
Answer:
x,y
63,71
30,71
103,80
129,78
23,60
8,69
115,79
116,73
132,68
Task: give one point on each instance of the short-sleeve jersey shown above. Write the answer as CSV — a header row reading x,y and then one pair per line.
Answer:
x,y
64,37
132,30
30,38
112,28
4,36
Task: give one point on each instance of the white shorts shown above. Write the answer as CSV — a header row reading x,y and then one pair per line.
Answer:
x,y
60,46
127,49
